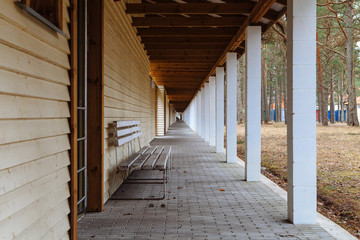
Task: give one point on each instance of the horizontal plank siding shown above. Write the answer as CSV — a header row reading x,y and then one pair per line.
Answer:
x,y
128,94
34,127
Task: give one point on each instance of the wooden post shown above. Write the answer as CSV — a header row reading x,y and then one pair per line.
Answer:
x,y
60,14
95,117
73,110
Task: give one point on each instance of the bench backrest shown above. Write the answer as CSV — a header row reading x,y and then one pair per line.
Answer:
x,y
126,131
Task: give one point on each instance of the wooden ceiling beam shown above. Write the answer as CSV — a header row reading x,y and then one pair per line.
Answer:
x,y
180,52
178,82
178,78
272,15
184,46
179,65
192,8
190,70
282,2
178,74
188,39
172,91
185,59
179,97
280,14
257,13
188,21
208,31
180,102
182,85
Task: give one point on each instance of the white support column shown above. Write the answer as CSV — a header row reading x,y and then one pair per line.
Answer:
x,y
219,110
160,114
199,113
231,99
253,104
207,112
195,110
195,113
301,127
212,89
203,113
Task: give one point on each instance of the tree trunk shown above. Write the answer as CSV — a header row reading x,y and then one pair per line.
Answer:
x,y
270,107
332,100
239,95
352,119
322,117
276,84
319,106
243,88
265,91
276,99
342,99
277,102
285,86
324,108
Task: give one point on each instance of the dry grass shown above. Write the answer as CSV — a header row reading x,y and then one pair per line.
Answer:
x,y
338,156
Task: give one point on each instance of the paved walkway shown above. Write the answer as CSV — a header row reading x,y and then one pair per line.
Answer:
x,y
207,199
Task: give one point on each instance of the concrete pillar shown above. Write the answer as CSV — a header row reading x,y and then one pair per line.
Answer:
x,y
207,112
231,99
219,110
301,127
212,89
253,104
203,113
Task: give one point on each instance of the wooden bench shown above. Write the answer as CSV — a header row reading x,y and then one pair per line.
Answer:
x,y
155,158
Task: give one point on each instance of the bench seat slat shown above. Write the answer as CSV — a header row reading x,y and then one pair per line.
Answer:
x,y
124,140
150,163
131,160
161,163
141,160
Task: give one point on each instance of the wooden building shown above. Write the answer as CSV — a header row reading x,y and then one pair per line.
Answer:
x,y
69,68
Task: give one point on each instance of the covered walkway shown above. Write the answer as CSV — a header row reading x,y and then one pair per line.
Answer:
x,y
208,199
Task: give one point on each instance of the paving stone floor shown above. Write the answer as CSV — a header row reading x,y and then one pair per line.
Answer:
x,y
206,199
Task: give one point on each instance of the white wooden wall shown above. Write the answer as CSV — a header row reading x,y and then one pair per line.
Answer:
x,y
128,92
34,115
160,108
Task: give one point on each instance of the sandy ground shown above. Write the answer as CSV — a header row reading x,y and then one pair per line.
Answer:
x,y
338,168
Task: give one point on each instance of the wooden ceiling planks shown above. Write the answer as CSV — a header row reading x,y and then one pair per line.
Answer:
x,y
187,21
186,40
154,31
243,7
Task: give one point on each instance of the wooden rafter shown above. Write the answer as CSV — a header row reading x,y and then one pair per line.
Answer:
x,y
242,7
254,17
184,46
224,32
188,21
186,41
180,52
185,58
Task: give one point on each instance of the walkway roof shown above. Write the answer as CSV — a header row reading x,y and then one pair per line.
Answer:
x,y
187,39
